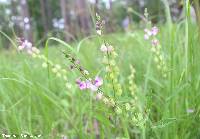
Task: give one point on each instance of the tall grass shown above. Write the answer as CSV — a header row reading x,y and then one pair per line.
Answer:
x,y
34,101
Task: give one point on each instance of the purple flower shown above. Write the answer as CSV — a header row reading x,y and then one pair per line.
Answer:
x,y
88,84
154,31
86,72
98,81
82,85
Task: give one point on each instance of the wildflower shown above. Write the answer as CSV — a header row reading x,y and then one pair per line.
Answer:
x,y
93,88
24,44
148,32
82,85
103,48
85,72
99,24
99,32
98,81
88,83
77,62
155,42
109,48
154,31
78,81
26,20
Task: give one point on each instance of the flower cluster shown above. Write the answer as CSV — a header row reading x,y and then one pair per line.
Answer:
x,y
133,107
89,84
86,83
111,68
151,34
106,48
75,64
28,47
132,85
99,24
25,45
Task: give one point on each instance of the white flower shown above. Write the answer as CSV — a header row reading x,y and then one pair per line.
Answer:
x,y
99,32
93,88
106,49
86,72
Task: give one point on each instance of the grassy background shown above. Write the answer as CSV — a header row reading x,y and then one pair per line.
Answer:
x,y
33,100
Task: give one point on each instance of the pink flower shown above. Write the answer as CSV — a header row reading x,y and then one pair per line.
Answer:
x,y
88,84
103,48
93,88
148,32
78,81
154,31
98,81
109,48
25,44
82,85
106,49
155,42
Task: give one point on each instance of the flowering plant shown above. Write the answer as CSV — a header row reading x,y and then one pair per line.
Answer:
x,y
115,99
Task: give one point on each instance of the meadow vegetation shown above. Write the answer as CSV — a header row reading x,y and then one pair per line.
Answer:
x,y
145,93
